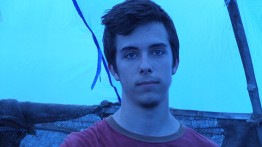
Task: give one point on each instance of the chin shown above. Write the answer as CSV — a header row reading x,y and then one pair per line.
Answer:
x,y
149,104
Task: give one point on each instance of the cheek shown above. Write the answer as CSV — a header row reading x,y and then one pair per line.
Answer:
x,y
127,67
125,72
165,67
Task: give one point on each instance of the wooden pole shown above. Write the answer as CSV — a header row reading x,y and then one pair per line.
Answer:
x,y
240,36
242,44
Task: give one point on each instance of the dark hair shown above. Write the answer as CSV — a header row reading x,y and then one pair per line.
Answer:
x,y
124,17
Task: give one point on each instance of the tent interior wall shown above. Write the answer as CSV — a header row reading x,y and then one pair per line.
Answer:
x,y
48,56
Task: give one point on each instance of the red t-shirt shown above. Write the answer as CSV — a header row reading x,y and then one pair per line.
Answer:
x,y
107,133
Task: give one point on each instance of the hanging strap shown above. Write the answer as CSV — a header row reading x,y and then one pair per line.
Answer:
x,y
100,55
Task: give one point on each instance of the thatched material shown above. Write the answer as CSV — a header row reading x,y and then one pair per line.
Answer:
x,y
17,128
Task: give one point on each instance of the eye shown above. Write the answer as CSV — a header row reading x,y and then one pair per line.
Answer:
x,y
130,55
158,52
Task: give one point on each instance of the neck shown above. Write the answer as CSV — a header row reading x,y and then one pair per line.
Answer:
x,y
155,121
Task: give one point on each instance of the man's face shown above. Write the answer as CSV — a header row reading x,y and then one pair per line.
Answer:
x,y
144,64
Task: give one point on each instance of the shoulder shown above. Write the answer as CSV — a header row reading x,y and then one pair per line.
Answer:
x,y
87,137
197,139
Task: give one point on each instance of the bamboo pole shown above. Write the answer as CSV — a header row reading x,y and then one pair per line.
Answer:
x,y
243,48
245,56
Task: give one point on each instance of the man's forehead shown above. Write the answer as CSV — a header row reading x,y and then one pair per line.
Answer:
x,y
145,36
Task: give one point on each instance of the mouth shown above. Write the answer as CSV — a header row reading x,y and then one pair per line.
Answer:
x,y
147,83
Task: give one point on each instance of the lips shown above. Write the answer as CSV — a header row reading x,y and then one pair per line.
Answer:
x,y
144,83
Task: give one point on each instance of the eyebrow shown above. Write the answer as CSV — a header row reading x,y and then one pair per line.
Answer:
x,y
127,48
155,45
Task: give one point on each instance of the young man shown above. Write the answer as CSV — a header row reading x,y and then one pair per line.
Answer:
x,y
142,50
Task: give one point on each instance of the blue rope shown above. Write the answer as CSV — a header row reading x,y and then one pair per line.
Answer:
x,y
100,55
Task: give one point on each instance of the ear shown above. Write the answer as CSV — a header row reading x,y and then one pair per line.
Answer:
x,y
113,72
175,67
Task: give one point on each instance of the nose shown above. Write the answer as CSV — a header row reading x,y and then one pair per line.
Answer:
x,y
145,67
